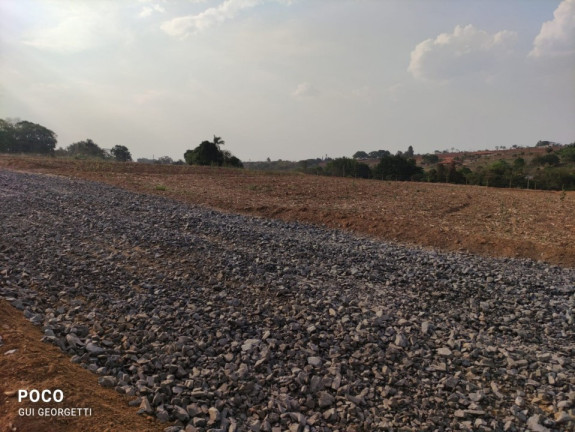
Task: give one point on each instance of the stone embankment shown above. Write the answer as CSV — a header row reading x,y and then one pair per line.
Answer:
x,y
213,321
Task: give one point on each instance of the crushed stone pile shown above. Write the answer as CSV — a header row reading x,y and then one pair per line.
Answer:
x,y
221,322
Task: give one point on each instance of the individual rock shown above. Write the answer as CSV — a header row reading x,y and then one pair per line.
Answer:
x,y
180,413
444,351
325,399
145,407
214,414
534,425
314,361
107,381
94,349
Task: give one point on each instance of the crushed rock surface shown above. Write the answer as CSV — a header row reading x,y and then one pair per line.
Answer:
x,y
214,321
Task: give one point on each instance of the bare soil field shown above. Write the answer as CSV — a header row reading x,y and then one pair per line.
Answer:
x,y
488,221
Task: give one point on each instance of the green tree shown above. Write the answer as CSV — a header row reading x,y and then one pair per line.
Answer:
x,y
7,138
218,141
430,159
340,167
345,167
34,138
442,173
454,175
518,164
362,170
555,178
165,160
397,168
498,174
567,153
550,159
26,137
230,160
121,153
86,148
360,155
209,153
379,154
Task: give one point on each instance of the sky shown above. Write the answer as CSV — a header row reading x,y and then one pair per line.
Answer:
x,y
291,79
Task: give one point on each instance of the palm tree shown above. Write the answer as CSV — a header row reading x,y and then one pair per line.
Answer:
x,y
218,141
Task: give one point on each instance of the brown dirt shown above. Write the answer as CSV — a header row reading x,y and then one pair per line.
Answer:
x,y
37,365
488,221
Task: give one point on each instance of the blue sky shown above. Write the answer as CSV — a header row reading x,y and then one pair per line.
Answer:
x,y
291,79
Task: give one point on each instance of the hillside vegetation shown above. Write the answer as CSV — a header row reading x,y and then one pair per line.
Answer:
x,y
547,165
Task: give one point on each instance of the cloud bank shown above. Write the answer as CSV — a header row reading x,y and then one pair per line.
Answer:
x,y
557,37
184,26
465,51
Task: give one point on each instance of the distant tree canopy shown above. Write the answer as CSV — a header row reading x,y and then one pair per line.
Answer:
x,y
86,148
345,167
165,160
209,153
26,137
378,154
360,155
371,155
162,160
567,153
550,159
430,159
397,167
121,153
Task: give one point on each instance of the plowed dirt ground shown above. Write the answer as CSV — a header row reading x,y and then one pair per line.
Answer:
x,y
491,221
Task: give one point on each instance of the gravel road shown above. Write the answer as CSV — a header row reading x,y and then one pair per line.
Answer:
x,y
214,321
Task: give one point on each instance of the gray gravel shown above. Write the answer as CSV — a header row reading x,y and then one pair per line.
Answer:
x,y
213,321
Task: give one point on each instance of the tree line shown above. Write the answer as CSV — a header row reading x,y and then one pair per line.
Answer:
x,y
21,136
18,136
554,170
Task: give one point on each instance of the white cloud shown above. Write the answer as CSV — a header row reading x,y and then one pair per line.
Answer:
x,y
467,50
182,27
305,90
149,10
557,37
